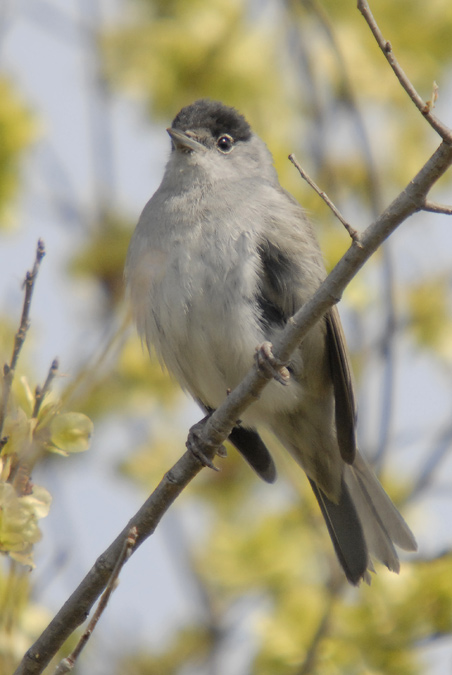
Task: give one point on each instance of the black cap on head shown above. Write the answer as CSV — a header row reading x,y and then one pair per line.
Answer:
x,y
215,116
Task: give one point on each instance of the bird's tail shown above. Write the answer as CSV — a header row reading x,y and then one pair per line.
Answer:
x,y
364,522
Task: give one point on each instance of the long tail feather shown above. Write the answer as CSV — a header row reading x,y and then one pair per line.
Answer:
x,y
346,533
364,522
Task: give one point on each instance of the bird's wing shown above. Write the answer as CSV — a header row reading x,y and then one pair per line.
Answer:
x,y
277,297
285,286
345,406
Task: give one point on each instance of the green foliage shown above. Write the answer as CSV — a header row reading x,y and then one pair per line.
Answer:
x,y
102,257
185,37
123,379
20,617
245,65
19,515
28,436
190,647
70,432
428,304
31,426
16,133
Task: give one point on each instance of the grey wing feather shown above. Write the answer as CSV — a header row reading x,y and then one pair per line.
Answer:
x,y
363,520
344,527
380,518
345,406
276,297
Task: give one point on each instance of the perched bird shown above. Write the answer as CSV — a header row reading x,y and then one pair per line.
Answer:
x,y
220,260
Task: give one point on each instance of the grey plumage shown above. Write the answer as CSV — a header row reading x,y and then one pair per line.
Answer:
x,y
221,258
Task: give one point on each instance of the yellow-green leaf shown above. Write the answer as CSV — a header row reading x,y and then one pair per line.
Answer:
x,y
19,521
70,432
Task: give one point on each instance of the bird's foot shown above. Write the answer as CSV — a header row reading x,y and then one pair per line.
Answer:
x,y
267,362
198,447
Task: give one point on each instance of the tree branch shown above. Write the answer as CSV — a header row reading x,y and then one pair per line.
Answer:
x,y
68,663
434,207
424,107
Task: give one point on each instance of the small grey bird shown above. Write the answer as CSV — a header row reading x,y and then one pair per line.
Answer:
x,y
220,260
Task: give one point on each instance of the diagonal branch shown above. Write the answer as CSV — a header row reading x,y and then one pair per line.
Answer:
x,y
219,425
67,664
424,107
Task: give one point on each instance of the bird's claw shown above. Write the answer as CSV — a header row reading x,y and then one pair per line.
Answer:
x,y
267,362
195,445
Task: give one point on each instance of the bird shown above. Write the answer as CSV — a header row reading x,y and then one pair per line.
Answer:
x,y
221,258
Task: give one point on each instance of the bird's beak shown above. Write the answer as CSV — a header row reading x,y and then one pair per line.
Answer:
x,y
182,141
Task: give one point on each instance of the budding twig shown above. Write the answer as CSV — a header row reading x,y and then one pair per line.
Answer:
x,y
40,392
19,339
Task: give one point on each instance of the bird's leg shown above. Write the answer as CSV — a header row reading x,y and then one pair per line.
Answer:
x,y
196,445
269,364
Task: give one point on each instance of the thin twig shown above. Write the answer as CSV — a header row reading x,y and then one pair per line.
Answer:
x,y
352,232
424,107
67,664
434,207
29,284
8,369
40,392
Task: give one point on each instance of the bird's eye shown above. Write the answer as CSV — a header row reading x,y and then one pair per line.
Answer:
x,y
225,143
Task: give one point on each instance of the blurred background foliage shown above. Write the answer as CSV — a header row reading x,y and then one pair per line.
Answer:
x,y
309,77
16,133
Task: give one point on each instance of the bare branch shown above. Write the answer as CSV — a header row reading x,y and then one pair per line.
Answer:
x,y
434,207
424,107
8,369
352,232
74,611
67,664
